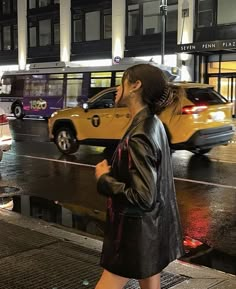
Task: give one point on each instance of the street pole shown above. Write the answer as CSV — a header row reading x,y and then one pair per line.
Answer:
x,y
163,13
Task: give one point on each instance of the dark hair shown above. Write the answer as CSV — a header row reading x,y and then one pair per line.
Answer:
x,y
156,92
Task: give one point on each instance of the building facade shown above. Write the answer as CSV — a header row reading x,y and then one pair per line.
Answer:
x,y
200,35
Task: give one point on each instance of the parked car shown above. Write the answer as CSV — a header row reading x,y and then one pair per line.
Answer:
x,y
203,120
5,134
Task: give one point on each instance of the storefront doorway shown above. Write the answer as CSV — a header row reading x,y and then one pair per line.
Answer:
x,y
227,87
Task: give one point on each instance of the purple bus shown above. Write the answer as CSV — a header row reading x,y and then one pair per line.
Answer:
x,y
46,88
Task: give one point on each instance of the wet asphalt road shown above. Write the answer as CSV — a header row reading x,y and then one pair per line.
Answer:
x,y
206,185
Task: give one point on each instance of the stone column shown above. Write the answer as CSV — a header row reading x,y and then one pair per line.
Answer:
x,y
22,33
65,30
185,35
118,28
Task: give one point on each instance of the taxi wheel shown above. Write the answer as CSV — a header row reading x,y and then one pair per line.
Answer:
x,y
66,141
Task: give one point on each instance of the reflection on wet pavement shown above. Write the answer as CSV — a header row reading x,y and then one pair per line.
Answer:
x,y
88,221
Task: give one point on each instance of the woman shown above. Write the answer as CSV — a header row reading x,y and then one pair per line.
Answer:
x,y
143,232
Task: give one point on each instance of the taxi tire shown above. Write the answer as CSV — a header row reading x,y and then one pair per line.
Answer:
x,y
74,143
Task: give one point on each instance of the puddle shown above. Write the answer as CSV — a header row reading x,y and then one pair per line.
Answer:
x,y
93,221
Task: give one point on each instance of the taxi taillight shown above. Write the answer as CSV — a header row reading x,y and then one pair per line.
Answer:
x,y
193,109
3,119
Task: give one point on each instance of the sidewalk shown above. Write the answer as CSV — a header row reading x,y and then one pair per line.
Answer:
x,y
39,255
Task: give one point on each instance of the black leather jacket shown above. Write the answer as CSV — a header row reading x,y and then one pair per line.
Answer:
x,y
143,232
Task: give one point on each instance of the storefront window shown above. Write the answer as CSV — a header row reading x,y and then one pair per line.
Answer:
x,y
107,24
7,37
205,13
213,67
151,20
225,67
214,82
92,25
226,11
228,66
133,20
45,32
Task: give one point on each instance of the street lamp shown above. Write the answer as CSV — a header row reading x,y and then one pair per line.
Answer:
x,y
163,13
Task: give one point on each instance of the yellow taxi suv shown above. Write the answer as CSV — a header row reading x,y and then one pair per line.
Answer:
x,y
202,121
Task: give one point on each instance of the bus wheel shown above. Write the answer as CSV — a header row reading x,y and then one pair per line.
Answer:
x,y
66,141
18,111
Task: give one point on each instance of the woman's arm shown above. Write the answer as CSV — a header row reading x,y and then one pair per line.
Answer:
x,y
142,174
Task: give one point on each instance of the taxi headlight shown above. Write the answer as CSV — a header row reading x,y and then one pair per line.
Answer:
x,y
54,114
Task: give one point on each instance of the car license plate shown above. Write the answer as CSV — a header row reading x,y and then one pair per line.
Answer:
x,y
217,115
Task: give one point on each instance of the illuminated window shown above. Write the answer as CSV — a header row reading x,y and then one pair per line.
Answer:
x,y
73,92
100,79
100,74
119,76
55,87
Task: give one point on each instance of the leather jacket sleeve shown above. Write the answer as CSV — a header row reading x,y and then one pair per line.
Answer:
x,y
142,171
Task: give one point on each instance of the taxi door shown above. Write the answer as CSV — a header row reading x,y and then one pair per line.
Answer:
x,y
103,120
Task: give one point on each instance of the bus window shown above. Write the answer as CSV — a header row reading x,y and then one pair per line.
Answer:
x,y
119,77
75,75
6,85
59,75
73,92
100,79
55,87
38,85
18,86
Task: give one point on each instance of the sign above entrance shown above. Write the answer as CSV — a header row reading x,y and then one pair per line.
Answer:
x,y
207,46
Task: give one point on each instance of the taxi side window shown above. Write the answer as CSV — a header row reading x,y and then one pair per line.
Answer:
x,y
106,101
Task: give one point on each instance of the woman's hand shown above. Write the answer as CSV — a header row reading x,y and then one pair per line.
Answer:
x,y
102,168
